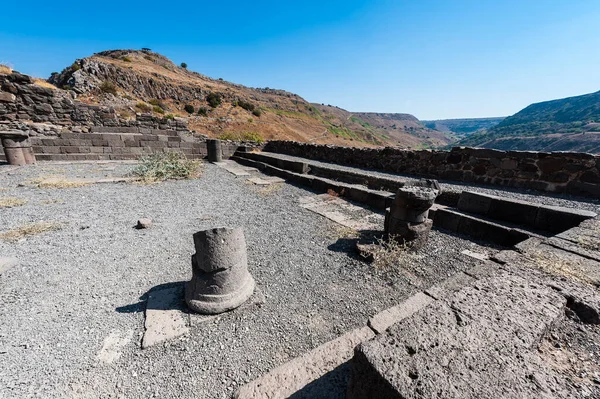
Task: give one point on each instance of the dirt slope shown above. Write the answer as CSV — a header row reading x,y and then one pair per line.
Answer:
x,y
143,81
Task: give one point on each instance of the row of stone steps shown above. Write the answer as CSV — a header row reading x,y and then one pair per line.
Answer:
x,y
503,221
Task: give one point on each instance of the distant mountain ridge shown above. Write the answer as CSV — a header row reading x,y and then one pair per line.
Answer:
x,y
463,126
568,124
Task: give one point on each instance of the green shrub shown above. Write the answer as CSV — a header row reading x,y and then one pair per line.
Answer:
x,y
213,99
189,108
143,107
203,111
158,109
170,116
126,59
257,112
108,87
172,165
246,105
75,67
184,65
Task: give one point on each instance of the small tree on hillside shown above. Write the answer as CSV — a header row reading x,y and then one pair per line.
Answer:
x,y
184,65
189,108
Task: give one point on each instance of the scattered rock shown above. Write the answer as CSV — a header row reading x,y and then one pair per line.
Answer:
x,y
144,223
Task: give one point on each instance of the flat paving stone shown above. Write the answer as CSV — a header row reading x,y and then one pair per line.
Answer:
x,y
343,212
7,262
165,316
266,180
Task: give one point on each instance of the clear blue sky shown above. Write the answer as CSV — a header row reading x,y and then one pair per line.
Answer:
x,y
434,59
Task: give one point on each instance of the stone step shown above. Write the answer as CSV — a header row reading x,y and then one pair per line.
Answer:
x,y
321,373
346,176
536,216
479,227
374,198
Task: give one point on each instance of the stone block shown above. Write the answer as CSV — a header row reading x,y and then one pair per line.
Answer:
x,y
474,202
450,285
447,219
474,344
384,319
304,375
558,219
514,211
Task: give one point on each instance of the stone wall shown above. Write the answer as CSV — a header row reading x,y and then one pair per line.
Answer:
x,y
572,173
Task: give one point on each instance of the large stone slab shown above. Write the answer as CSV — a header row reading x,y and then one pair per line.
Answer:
x,y
384,319
313,375
343,212
165,316
481,342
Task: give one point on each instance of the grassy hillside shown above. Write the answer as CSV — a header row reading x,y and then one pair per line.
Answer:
x,y
135,81
569,124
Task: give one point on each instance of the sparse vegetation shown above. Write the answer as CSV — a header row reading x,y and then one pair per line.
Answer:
x,y
172,165
203,111
170,116
61,182
158,103
248,106
257,112
126,58
11,202
158,109
108,87
189,108
143,107
75,67
5,69
29,230
213,99
242,136
43,83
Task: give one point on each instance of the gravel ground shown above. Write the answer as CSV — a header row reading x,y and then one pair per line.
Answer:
x,y
76,286
526,195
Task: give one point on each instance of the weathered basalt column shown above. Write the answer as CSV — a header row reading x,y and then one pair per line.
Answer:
x,y
406,221
220,278
213,149
17,148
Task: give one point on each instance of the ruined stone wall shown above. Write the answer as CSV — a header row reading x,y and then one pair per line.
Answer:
x,y
572,173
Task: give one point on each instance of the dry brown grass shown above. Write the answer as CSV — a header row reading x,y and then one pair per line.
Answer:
x,y
341,232
29,230
559,266
591,240
5,69
43,83
56,182
11,202
53,201
270,189
391,253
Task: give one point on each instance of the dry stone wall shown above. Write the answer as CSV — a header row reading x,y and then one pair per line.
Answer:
x,y
558,172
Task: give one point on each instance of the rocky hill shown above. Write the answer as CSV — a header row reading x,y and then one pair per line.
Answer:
x,y
568,124
133,81
462,127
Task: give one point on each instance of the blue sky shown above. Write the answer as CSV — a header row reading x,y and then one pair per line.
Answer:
x,y
433,59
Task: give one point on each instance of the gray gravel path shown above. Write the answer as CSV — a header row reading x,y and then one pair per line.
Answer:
x,y
525,195
76,286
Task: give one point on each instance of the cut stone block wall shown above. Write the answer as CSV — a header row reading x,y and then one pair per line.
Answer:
x,y
558,172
